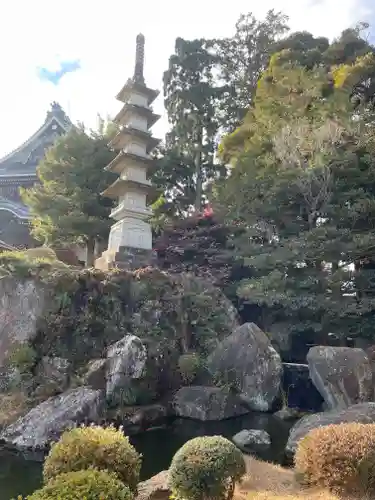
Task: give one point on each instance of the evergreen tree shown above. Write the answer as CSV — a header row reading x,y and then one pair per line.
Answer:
x,y
241,60
67,207
303,186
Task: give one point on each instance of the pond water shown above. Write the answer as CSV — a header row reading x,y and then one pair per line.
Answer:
x,y
19,475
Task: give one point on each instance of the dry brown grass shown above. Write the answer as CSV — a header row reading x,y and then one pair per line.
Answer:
x,y
12,406
266,481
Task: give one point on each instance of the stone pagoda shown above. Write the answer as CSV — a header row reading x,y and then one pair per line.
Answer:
x,y
130,239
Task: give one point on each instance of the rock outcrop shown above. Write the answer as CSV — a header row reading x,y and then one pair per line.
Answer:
x,y
21,304
342,375
155,488
363,413
126,361
47,421
53,375
207,403
247,361
252,439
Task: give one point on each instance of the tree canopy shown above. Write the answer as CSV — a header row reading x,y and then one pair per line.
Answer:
x,y
66,206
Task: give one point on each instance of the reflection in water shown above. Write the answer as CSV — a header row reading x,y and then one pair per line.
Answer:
x,y
19,476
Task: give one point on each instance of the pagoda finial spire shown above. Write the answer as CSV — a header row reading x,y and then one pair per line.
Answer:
x,y
139,59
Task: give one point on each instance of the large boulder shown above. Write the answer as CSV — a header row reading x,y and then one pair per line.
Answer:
x,y
53,376
126,361
342,375
207,403
46,422
247,361
252,439
155,488
21,304
363,413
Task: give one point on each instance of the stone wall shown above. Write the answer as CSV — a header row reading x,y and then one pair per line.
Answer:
x,y
21,303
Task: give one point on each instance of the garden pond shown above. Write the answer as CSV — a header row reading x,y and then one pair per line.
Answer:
x,y
21,474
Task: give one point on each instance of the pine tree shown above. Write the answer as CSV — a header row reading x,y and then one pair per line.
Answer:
x,y
67,207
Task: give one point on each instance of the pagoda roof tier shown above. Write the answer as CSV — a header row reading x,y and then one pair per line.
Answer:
x,y
121,161
124,136
134,109
120,186
132,87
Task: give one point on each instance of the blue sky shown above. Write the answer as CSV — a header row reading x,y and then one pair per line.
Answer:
x,y
81,52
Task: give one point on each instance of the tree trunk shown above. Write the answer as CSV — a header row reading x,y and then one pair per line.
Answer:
x,y
198,170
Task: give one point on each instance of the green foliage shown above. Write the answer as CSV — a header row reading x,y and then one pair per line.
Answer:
x,y
241,60
103,448
88,311
23,357
303,186
338,457
180,311
85,484
67,207
206,467
190,100
189,366
28,263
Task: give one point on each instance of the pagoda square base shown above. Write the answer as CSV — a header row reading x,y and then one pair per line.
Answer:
x,y
126,258
130,232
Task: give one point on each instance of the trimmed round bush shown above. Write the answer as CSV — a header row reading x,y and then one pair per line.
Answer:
x,y
85,484
338,457
98,447
206,467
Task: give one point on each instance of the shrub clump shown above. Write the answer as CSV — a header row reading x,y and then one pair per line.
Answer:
x,y
206,467
189,366
338,457
98,447
85,484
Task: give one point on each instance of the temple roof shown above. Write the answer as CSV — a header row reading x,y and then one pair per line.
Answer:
x,y
22,162
16,208
5,246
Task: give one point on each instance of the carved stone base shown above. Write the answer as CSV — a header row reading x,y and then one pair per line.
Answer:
x,y
125,258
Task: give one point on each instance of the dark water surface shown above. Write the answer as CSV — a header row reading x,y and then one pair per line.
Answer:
x,y
21,476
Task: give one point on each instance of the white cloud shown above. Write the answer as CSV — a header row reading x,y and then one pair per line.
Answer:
x,y
101,35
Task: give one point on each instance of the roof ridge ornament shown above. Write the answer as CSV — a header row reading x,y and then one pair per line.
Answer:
x,y
139,59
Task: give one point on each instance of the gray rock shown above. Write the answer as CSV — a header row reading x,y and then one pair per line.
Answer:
x,y
363,413
288,414
207,403
126,362
47,421
95,376
252,438
53,375
342,375
247,361
21,304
